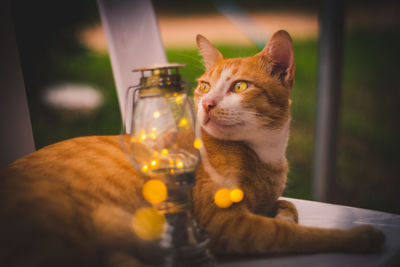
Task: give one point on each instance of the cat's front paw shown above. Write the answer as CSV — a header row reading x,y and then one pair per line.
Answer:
x,y
286,210
367,239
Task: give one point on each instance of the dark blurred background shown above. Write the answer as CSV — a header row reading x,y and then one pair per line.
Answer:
x,y
62,47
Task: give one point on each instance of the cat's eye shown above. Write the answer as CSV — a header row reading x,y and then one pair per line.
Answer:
x,y
240,86
204,87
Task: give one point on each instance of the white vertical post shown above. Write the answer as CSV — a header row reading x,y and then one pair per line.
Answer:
x,y
133,41
16,138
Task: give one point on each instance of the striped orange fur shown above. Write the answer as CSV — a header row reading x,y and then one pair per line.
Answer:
x,y
71,203
68,204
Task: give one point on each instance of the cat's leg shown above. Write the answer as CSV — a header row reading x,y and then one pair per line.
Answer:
x,y
236,230
286,210
118,245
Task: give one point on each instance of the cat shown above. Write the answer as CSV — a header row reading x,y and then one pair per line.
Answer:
x,y
243,107
71,203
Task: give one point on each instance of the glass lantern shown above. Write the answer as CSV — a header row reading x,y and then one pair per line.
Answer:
x,y
164,148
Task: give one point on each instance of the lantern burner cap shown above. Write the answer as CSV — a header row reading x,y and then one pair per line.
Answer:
x,y
160,67
161,79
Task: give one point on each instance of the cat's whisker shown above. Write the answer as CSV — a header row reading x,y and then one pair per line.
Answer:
x,y
198,62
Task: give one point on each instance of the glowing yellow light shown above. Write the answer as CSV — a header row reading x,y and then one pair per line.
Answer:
x,y
154,162
164,151
183,122
153,133
156,115
148,223
171,163
178,99
133,140
197,143
236,195
142,135
145,168
171,171
179,164
222,198
168,95
175,94
155,153
154,191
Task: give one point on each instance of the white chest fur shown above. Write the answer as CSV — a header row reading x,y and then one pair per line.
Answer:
x,y
270,145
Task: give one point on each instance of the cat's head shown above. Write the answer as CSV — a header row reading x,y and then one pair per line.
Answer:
x,y
236,97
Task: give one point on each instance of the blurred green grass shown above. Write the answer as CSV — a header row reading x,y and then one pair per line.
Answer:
x,y
369,129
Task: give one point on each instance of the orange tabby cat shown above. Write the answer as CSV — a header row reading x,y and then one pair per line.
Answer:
x,y
243,107
71,203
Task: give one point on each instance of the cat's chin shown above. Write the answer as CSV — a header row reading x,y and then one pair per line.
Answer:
x,y
223,131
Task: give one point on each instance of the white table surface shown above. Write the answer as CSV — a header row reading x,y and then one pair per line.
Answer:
x,y
319,214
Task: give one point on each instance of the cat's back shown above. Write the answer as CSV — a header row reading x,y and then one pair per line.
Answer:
x,y
73,153
48,199
87,164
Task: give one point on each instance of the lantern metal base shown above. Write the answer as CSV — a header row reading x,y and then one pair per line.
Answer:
x,y
183,244
186,241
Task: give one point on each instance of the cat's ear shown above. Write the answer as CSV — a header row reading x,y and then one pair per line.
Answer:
x,y
209,53
278,58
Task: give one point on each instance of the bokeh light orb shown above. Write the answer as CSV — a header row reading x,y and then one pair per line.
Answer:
x,y
148,223
222,198
236,195
197,143
154,191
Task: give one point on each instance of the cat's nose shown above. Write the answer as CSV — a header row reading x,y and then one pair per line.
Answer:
x,y
208,104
